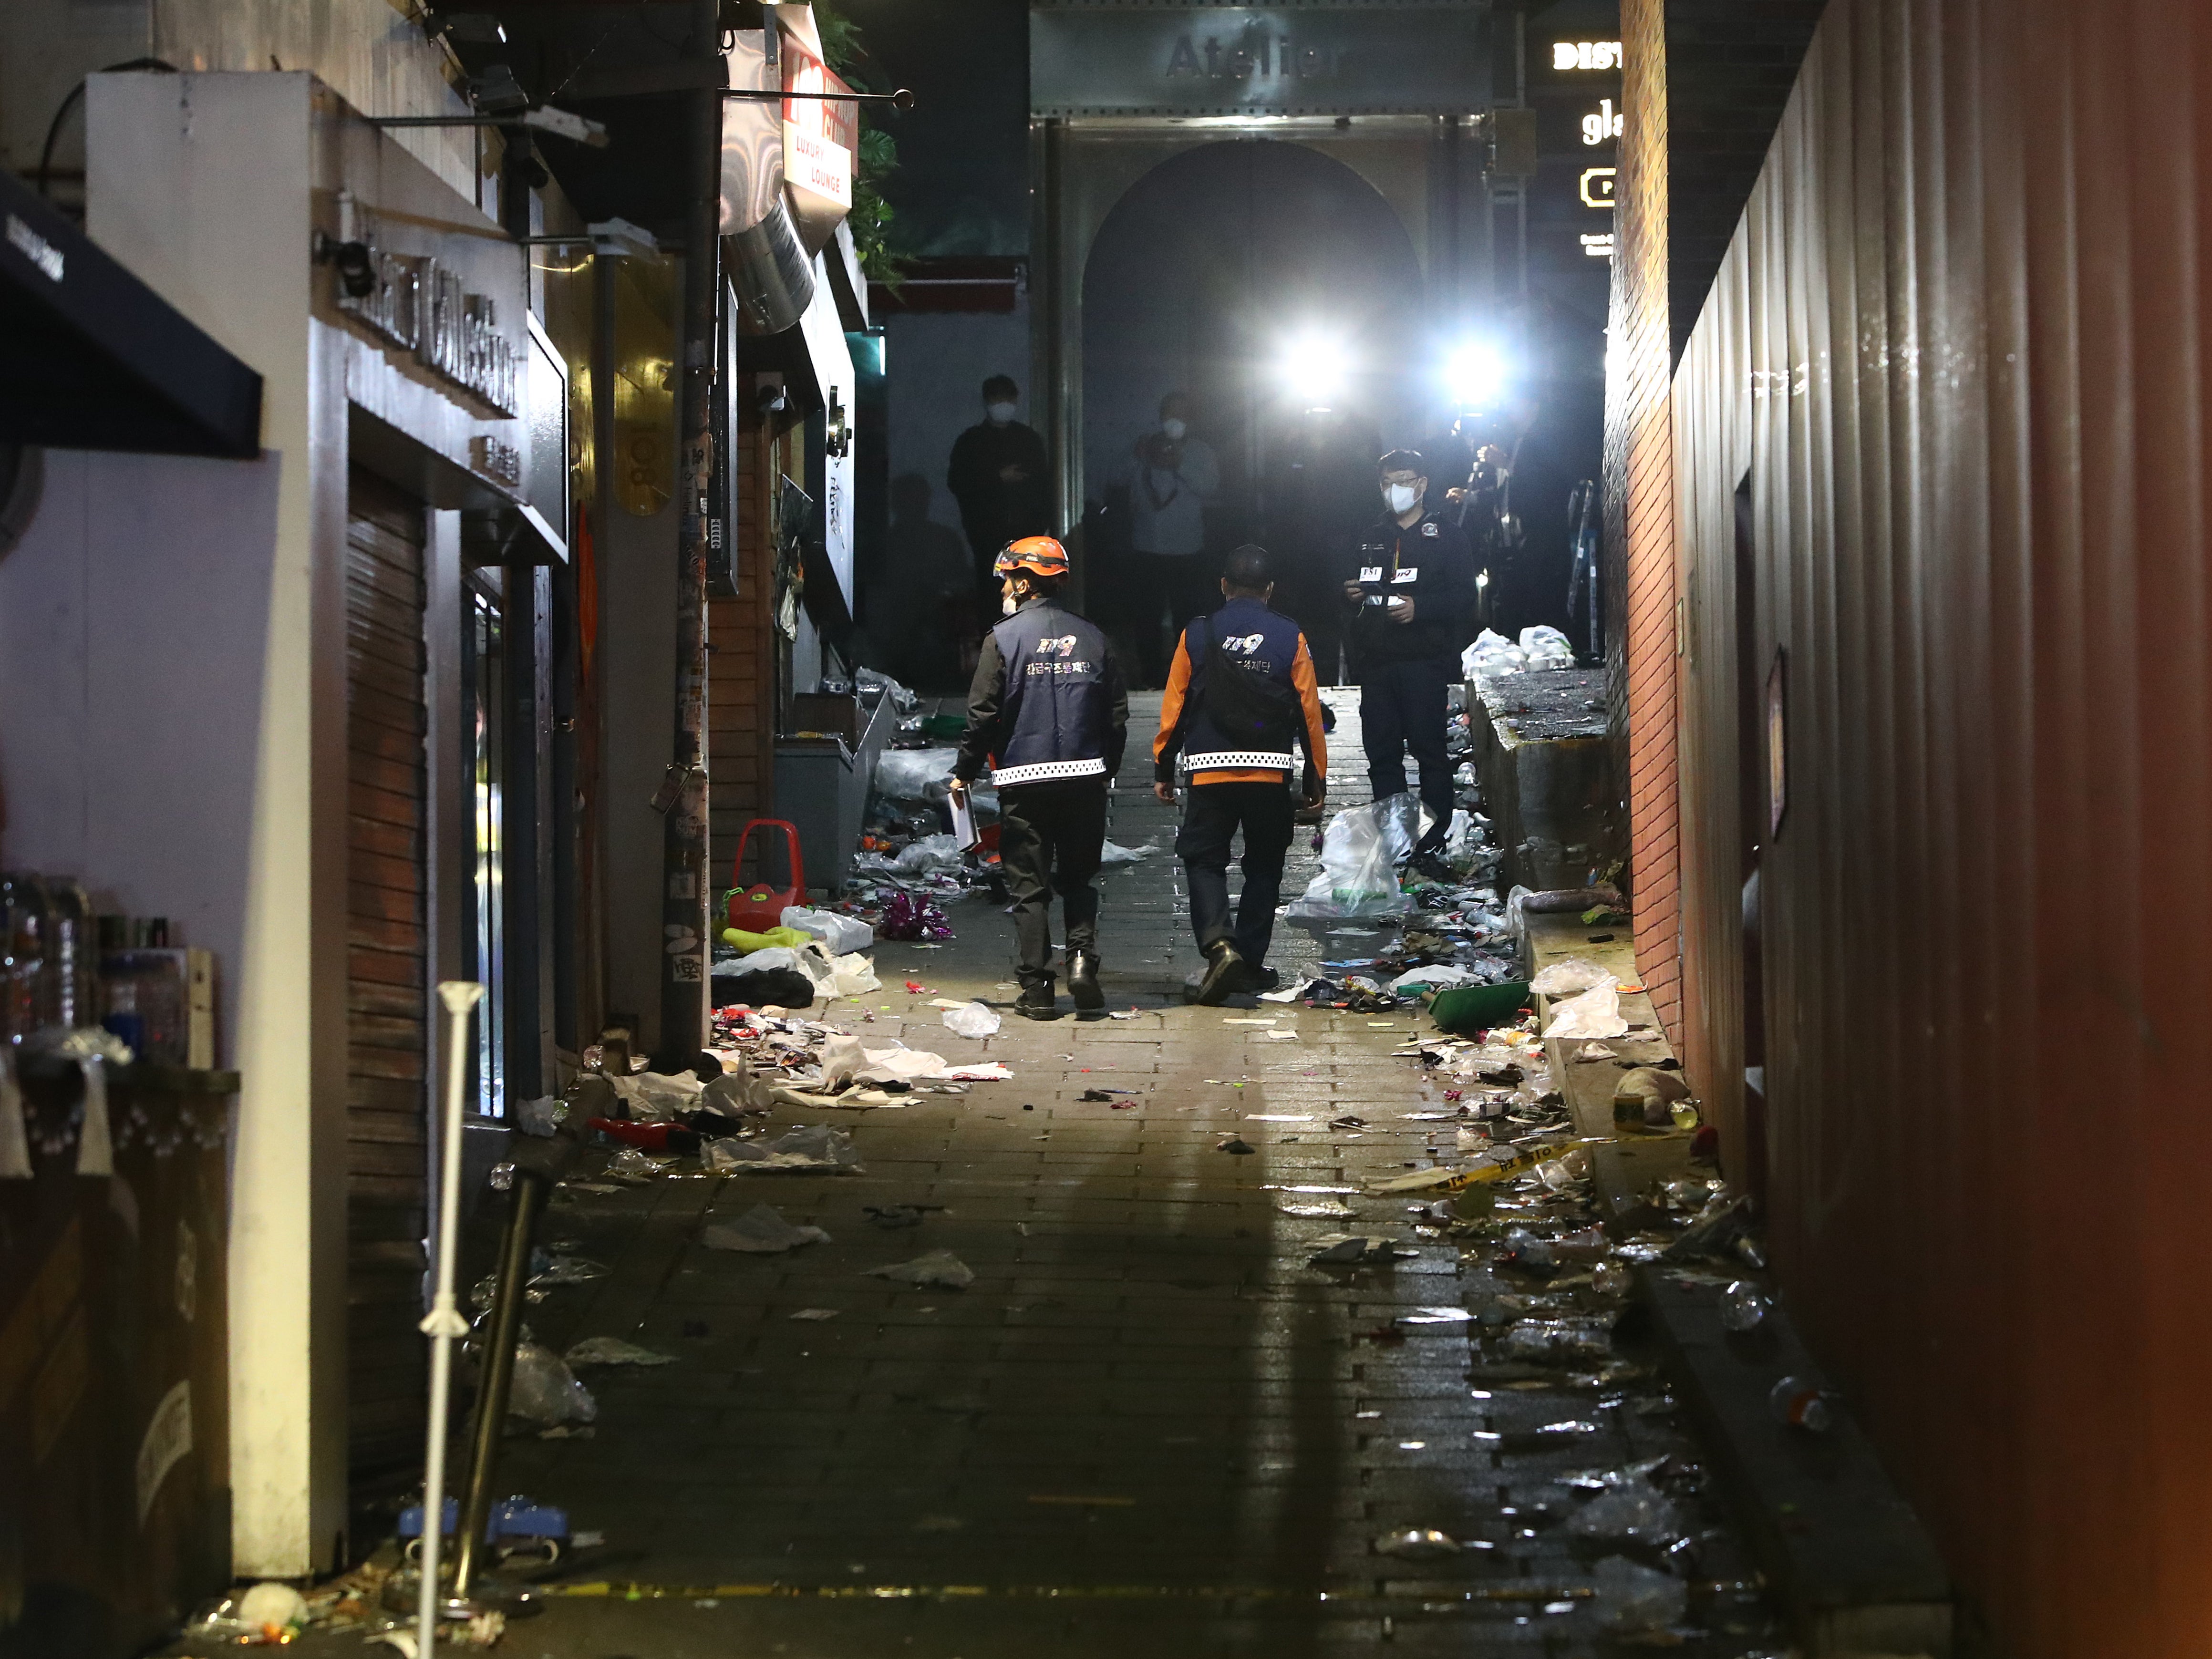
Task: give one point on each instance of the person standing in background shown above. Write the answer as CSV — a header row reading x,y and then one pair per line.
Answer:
x,y
1409,602
1001,478
1171,479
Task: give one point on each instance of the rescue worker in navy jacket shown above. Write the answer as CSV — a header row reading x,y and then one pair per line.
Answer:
x,y
1410,603
1241,691
1050,710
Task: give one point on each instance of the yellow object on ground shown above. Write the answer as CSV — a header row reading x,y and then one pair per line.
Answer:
x,y
790,937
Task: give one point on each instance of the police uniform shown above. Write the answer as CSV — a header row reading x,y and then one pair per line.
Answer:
x,y
1049,710
1403,669
1240,778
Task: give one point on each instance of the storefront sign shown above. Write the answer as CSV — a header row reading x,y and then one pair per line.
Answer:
x,y
1414,58
819,136
420,306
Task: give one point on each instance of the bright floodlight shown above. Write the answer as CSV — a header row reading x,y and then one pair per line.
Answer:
x,y
1313,369
1475,376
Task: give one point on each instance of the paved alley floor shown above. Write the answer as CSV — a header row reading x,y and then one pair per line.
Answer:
x,y
1147,1423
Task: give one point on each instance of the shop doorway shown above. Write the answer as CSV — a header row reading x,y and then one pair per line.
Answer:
x,y
1277,289
387,1047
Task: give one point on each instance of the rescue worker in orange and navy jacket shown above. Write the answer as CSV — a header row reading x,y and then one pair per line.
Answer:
x,y
1048,713
1241,692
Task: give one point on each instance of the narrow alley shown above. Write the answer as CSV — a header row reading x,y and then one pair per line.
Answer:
x,y
1148,1421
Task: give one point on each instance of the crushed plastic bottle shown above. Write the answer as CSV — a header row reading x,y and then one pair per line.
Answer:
x,y
1744,1306
1803,1404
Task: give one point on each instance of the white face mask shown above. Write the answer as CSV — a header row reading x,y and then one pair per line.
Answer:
x,y
999,413
1174,429
1401,497
1008,606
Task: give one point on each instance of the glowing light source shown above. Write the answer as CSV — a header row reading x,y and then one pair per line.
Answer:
x,y
1313,369
1474,375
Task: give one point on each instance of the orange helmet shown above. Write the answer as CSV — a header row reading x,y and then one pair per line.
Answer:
x,y
1041,555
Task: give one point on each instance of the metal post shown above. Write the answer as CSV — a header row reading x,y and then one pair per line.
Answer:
x,y
684,895
528,1202
444,1324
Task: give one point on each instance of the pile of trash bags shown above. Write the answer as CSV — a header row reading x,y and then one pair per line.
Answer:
x,y
1491,654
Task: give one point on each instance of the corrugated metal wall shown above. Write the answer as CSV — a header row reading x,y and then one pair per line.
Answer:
x,y
1958,349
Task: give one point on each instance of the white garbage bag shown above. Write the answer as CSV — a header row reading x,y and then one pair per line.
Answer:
x,y
1569,976
656,1097
840,1059
1546,648
839,934
1360,852
972,1020
1594,1013
907,774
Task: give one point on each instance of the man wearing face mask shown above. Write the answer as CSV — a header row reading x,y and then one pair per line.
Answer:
x,y
1049,713
1003,482
1409,604
1171,477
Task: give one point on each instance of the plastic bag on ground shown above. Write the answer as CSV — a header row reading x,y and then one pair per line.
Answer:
x,y
1441,976
930,853
613,1350
1630,1598
839,934
840,1059
939,1267
1594,1013
907,774
545,1391
538,1117
761,1231
1111,855
1630,1511
900,1064
1359,855
972,1020
853,976
1569,976
657,1097
818,1147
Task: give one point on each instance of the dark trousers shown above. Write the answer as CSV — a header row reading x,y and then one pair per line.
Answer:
x,y
1049,838
1401,706
1211,814
1181,586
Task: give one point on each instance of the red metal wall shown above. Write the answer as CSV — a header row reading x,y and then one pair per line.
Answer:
x,y
1959,347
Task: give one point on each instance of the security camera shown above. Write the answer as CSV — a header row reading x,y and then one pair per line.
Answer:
x,y
356,269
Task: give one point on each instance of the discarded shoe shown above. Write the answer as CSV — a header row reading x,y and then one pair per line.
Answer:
x,y
1083,981
1036,1001
1224,974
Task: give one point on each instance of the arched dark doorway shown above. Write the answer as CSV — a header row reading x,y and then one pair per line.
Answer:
x,y
1276,287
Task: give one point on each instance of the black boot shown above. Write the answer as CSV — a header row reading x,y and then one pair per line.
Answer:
x,y
1224,973
1083,979
1037,1000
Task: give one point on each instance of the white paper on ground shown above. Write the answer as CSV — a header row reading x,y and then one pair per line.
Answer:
x,y
938,1267
761,1231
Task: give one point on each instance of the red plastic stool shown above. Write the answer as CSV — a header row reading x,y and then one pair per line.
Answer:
x,y
760,907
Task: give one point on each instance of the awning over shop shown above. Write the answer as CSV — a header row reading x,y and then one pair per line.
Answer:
x,y
92,358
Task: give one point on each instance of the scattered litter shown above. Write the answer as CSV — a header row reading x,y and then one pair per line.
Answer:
x,y
1339,1248
971,1019
1632,1511
632,1167
1279,1117
761,1231
1288,993
816,1147
1744,1306
892,1216
1312,1208
1248,1022
1436,1316
545,1391
1593,1051
1111,855
816,1315
1281,1036
613,1350
938,1267
1570,976
1418,1544
1559,1342
1630,1598
1238,1145
1349,1120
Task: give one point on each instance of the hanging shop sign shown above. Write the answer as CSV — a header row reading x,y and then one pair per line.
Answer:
x,y
419,305
1416,56
821,134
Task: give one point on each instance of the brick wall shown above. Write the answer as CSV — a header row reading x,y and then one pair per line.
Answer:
x,y
1639,527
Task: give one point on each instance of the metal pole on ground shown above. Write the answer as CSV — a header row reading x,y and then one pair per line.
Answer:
x,y
528,1201
444,1324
